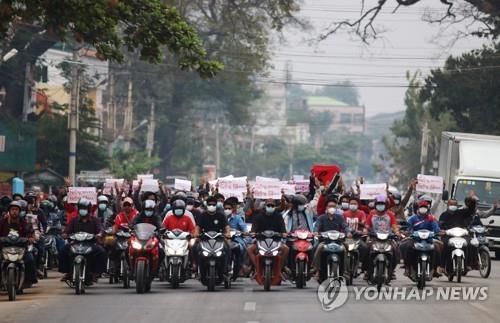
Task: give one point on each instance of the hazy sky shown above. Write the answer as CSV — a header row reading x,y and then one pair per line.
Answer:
x,y
408,44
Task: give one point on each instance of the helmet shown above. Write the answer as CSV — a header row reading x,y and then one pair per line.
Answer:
x,y
149,204
178,207
423,203
47,205
53,199
23,204
15,204
83,203
299,199
30,196
426,198
102,199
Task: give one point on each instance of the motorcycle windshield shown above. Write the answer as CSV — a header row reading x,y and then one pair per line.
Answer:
x,y
144,231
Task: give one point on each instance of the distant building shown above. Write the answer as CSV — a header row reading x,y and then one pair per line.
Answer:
x,y
344,116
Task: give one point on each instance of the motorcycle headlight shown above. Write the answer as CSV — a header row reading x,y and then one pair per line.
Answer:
x,y
275,253
205,253
218,253
262,252
350,247
136,245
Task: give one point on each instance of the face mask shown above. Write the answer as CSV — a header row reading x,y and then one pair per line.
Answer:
x,y
423,210
452,208
301,208
371,205
331,210
353,207
211,208
102,207
220,205
345,206
380,207
178,212
269,210
83,212
228,212
189,207
148,213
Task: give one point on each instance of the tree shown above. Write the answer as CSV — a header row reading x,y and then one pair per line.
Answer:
x,y
128,164
486,13
345,92
32,27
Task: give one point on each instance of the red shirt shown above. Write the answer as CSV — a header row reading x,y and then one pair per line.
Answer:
x,y
354,219
369,223
122,218
183,223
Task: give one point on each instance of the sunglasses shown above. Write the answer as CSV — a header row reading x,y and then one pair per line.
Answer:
x,y
127,205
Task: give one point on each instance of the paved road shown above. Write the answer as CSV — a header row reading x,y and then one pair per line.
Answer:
x,y
52,301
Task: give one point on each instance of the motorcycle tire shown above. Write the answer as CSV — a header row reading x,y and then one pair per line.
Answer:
x,y
422,279
334,270
79,283
300,279
267,277
125,275
45,273
140,277
459,269
174,278
380,275
485,269
211,278
11,283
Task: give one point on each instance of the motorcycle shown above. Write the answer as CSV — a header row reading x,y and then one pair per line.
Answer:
x,y
175,265
381,257
332,254
456,265
144,256
301,249
211,265
51,253
13,250
81,247
120,270
268,260
352,259
479,241
236,256
423,270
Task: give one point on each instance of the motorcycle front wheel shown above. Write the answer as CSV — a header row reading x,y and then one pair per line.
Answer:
x,y
267,277
125,274
459,269
211,278
300,279
174,276
78,281
485,268
422,279
380,275
140,277
11,283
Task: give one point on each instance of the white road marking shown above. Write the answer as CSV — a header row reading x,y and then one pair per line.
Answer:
x,y
249,306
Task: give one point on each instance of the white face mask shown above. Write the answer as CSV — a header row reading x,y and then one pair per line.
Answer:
x,y
345,205
452,208
211,208
228,212
148,213
83,212
102,206
380,207
353,207
331,210
269,210
423,210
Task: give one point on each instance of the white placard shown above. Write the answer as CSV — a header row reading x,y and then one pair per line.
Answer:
x,y
109,185
371,191
288,189
266,179
298,177
182,184
429,184
76,193
150,185
233,187
145,176
267,190
301,186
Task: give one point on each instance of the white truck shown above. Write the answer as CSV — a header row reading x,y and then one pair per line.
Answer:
x,y
472,162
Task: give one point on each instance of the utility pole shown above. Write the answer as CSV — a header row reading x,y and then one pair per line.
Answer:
x,y
27,92
424,148
217,145
129,110
151,130
73,119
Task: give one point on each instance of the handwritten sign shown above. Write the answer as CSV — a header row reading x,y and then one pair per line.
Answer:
x,y
288,189
76,193
267,190
301,186
109,185
150,185
144,176
370,191
233,187
182,184
430,184
266,179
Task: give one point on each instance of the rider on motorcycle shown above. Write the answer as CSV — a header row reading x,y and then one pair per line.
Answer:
x,y
179,220
126,215
331,220
422,220
104,211
84,222
13,221
54,220
236,222
381,220
148,215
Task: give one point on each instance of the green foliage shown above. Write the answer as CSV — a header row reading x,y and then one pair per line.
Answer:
x,y
345,92
128,164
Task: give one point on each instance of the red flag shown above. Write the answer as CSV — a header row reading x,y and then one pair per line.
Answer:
x,y
325,173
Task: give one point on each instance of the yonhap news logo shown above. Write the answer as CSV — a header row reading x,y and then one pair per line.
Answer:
x,y
333,293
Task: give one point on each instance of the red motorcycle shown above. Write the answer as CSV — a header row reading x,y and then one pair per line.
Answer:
x,y
301,249
144,256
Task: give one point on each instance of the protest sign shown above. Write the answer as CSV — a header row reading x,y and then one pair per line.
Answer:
x,y
150,185
370,191
267,190
288,189
233,187
429,184
144,176
266,179
302,186
182,184
76,193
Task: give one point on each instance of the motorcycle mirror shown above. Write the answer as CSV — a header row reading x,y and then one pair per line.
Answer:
x,y
491,222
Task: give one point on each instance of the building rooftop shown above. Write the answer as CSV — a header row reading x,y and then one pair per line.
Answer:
x,y
325,101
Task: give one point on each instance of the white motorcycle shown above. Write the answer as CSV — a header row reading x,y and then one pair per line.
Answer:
x,y
455,265
175,264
